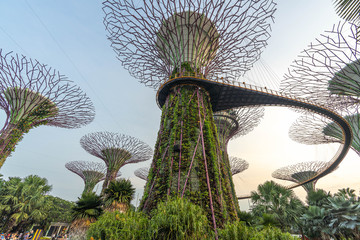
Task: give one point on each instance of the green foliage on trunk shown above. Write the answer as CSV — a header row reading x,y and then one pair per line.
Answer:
x,y
179,167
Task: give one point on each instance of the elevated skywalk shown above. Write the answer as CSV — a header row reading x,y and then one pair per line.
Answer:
x,y
232,95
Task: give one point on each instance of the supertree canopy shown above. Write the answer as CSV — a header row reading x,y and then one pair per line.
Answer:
x,y
301,172
90,172
238,165
237,122
313,130
142,173
33,94
155,39
116,150
328,72
175,42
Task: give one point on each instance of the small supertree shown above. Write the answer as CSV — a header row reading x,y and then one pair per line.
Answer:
x,y
115,150
90,172
159,41
313,130
231,124
142,173
328,72
301,172
33,94
238,165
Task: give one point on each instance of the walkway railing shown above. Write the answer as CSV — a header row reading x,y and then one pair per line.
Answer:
x,y
287,100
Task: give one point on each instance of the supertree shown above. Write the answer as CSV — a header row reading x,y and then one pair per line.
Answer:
x,y
328,72
161,40
314,130
90,172
238,165
234,123
116,150
301,172
142,173
33,94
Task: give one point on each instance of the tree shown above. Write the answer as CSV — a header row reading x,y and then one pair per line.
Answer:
x,y
280,202
332,216
119,194
86,211
317,198
57,210
22,201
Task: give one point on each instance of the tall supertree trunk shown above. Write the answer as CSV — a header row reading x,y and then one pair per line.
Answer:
x,y
228,175
9,137
188,160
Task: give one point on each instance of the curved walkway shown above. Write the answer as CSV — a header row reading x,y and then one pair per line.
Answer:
x,y
231,95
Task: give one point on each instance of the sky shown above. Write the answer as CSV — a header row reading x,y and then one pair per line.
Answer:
x,y
70,36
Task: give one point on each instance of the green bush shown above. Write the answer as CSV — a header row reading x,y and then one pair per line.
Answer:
x,y
180,219
115,225
239,231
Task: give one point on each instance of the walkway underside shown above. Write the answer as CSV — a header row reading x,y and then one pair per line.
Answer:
x,y
226,96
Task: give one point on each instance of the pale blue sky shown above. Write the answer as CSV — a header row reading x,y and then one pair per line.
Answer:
x,y
70,36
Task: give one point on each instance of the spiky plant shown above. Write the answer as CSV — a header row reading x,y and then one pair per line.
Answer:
x,y
118,195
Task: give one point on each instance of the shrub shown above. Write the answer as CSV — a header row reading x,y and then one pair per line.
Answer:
x,y
239,231
180,219
116,225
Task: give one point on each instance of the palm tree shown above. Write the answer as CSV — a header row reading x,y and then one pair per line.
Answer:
x,y
280,202
118,195
87,209
347,193
22,201
317,198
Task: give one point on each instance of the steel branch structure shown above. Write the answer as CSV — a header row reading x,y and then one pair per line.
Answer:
x,y
236,122
192,51
155,39
116,150
301,172
142,173
90,172
328,72
238,165
213,39
313,130
33,94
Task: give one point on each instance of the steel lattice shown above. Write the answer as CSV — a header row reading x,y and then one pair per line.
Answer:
x,y
224,38
237,122
142,173
328,72
26,83
314,130
238,165
301,172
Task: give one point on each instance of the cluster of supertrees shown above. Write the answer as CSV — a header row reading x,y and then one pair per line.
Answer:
x,y
115,149
180,48
175,45
328,73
